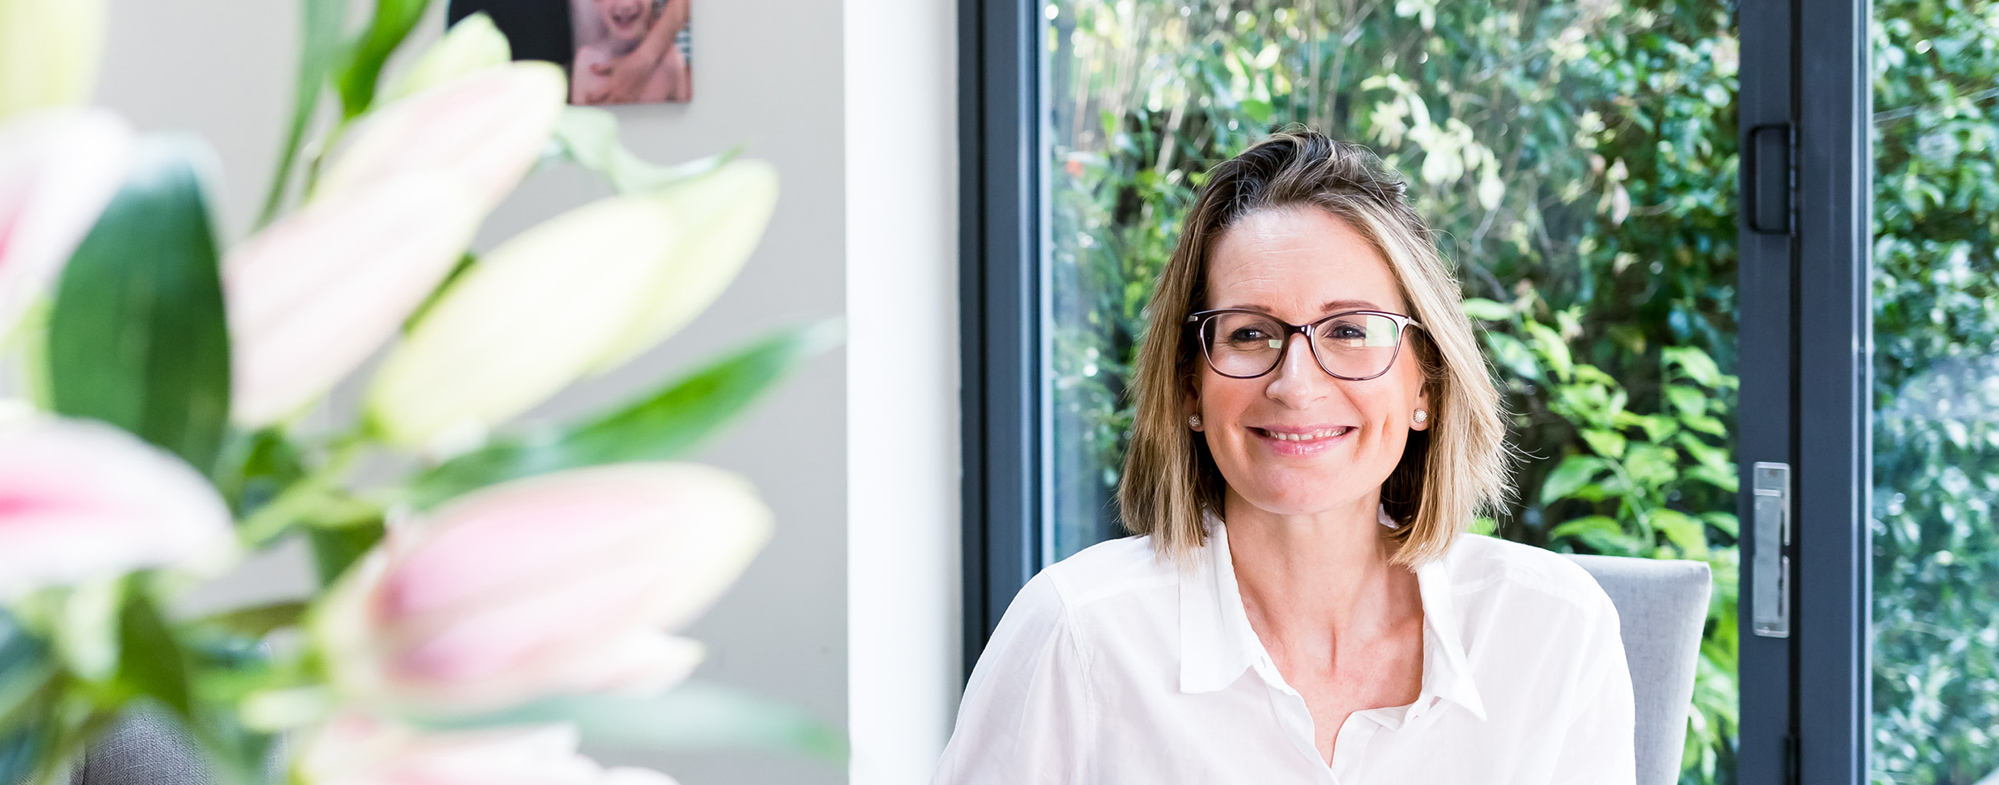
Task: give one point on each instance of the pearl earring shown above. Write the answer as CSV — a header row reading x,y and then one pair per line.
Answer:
x,y
1421,416
1194,421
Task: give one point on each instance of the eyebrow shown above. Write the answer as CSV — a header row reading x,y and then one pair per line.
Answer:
x,y
1330,307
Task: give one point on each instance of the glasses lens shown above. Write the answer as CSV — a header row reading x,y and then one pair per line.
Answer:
x,y
1357,345
1243,344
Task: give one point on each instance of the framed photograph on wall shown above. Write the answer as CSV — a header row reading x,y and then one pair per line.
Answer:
x,y
615,51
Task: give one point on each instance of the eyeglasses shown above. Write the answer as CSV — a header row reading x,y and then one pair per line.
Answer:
x,y
1351,345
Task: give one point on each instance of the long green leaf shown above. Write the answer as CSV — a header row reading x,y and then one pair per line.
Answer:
x,y
137,337
24,667
692,716
656,428
150,661
319,47
589,136
362,69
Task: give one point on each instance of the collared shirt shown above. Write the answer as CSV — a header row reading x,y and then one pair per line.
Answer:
x,y
1114,667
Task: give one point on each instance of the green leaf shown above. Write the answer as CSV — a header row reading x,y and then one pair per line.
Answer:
x,y
1705,424
1725,521
319,46
137,337
656,428
692,716
257,621
1602,534
589,136
255,468
1571,475
1609,444
1513,355
1682,531
1485,310
150,661
1552,349
1694,363
25,666
1686,400
335,548
362,67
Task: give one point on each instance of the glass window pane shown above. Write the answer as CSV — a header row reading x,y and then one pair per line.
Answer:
x,y
1578,160
1936,392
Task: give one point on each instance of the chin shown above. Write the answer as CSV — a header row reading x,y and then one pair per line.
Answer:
x,y
1299,496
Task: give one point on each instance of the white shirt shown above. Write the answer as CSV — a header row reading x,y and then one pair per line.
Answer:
x,y
1112,667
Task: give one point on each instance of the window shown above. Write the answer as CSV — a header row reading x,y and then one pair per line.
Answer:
x,y
1590,167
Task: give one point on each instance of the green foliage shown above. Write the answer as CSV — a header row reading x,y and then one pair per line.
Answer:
x,y
1936,401
137,336
661,426
1578,161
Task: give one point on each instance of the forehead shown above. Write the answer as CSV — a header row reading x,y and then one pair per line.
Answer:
x,y
1291,261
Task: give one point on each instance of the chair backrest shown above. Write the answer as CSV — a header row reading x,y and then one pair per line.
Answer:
x,y
1661,608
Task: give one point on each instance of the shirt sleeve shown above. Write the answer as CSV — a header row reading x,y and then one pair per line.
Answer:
x,y
1027,710
1598,743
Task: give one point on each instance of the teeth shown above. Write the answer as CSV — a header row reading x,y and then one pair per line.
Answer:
x,y
1306,437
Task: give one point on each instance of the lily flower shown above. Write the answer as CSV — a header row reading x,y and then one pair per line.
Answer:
x,y
58,169
568,583
82,501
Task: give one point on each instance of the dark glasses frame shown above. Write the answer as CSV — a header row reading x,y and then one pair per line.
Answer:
x,y
1200,319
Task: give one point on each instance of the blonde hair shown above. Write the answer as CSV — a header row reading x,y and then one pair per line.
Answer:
x,y
1447,475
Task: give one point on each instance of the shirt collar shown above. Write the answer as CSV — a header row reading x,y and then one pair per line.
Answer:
x,y
1217,644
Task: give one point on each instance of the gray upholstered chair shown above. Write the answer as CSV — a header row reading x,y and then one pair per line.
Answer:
x,y
1661,608
142,748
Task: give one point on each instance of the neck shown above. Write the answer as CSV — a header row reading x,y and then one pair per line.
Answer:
x,y
1319,577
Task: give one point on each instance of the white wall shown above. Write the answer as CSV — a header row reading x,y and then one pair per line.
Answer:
x,y
768,73
902,365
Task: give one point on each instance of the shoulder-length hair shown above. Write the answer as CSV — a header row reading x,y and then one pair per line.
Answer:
x,y
1447,474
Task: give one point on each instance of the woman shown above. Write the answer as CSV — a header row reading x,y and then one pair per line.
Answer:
x,y
1300,603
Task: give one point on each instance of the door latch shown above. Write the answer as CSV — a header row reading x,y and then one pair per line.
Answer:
x,y
1770,579
1771,179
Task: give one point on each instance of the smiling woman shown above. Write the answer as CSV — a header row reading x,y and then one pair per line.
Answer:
x,y
1300,509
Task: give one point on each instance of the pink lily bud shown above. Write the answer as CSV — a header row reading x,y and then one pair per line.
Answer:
x,y
80,501
314,294
488,127
58,169
567,583
355,749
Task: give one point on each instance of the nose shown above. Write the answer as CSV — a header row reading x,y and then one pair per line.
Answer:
x,y
1298,381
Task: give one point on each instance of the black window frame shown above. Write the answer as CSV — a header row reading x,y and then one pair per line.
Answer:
x,y
1805,334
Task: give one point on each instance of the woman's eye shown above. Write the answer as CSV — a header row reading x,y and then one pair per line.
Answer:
x,y
1346,332
1247,335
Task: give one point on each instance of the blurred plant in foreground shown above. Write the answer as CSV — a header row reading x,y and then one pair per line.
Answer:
x,y
513,592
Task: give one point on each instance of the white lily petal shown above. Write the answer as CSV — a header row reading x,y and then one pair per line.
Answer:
x,y
473,44
725,213
81,500
313,295
48,52
488,128
58,169
526,321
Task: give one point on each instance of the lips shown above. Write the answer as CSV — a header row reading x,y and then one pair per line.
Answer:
x,y
1304,435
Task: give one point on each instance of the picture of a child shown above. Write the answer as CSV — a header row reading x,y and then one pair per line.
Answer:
x,y
639,58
